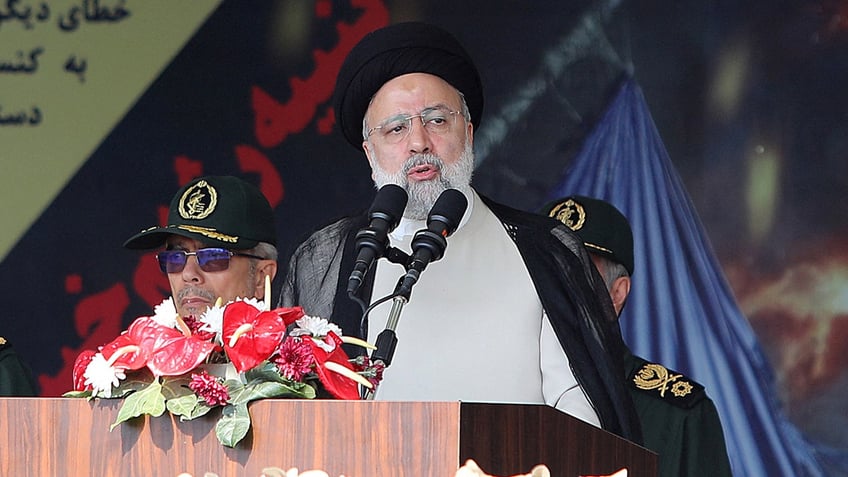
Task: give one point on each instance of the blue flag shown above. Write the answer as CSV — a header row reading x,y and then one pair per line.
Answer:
x,y
681,311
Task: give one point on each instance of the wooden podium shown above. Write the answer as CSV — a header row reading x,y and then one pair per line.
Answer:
x,y
70,437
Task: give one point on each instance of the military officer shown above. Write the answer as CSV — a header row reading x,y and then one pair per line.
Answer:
x,y
679,421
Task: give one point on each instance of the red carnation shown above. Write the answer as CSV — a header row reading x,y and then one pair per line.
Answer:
x,y
294,358
209,389
373,372
194,325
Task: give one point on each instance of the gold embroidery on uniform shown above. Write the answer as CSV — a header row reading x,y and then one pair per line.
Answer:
x,y
655,376
211,233
2,340
681,388
198,201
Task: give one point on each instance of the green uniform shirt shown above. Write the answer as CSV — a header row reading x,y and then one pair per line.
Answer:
x,y
15,377
679,422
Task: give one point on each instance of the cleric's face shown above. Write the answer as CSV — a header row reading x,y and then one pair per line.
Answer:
x,y
426,154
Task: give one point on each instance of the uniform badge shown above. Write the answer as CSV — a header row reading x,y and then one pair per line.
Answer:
x,y
668,385
572,214
198,201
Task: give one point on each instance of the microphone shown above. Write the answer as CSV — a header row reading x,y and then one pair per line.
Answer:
x,y
428,245
371,242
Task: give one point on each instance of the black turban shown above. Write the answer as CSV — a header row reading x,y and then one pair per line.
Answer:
x,y
396,50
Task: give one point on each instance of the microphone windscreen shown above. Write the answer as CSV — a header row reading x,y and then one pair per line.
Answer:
x,y
449,209
389,204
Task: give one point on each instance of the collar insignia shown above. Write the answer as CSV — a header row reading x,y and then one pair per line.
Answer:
x,y
656,376
198,201
667,385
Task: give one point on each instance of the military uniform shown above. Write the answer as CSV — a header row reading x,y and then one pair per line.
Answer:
x,y
15,376
679,421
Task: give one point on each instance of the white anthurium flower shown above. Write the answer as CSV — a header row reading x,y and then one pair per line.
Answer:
x,y
165,313
102,376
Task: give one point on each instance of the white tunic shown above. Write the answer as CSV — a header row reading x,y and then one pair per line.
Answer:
x,y
474,328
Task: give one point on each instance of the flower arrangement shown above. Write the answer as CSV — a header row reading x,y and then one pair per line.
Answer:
x,y
167,362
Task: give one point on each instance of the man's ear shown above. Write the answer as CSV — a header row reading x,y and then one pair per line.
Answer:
x,y
618,293
369,154
265,268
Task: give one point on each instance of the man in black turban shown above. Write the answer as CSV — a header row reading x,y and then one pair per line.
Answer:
x,y
514,311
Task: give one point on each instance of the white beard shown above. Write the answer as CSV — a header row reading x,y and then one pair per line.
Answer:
x,y
423,194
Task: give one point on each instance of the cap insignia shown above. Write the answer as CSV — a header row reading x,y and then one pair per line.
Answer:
x,y
572,214
2,341
211,233
198,201
656,376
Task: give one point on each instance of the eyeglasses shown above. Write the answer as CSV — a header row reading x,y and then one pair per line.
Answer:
x,y
436,120
209,259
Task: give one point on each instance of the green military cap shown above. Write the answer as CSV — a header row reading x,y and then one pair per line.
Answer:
x,y
604,230
222,211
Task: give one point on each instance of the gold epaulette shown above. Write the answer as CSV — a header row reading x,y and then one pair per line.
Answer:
x,y
668,385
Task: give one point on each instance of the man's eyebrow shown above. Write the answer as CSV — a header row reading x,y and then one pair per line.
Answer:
x,y
436,106
396,117
425,110
174,246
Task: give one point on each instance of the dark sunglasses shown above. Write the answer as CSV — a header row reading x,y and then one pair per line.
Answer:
x,y
209,259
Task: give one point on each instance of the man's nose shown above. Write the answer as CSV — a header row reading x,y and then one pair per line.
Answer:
x,y
192,272
419,137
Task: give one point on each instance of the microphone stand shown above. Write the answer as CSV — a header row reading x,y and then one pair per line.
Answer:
x,y
387,339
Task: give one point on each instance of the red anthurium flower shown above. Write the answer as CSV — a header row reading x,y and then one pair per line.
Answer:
x,y
289,315
250,335
165,351
79,369
124,353
336,384
178,355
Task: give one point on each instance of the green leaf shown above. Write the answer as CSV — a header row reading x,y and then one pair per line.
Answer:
x,y
146,401
233,425
77,394
188,407
173,388
257,389
135,381
266,371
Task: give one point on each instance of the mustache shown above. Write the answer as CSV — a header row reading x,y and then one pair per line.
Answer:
x,y
195,291
421,160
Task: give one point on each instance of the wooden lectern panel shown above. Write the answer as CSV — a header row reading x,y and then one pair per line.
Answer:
x,y
505,439
70,437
